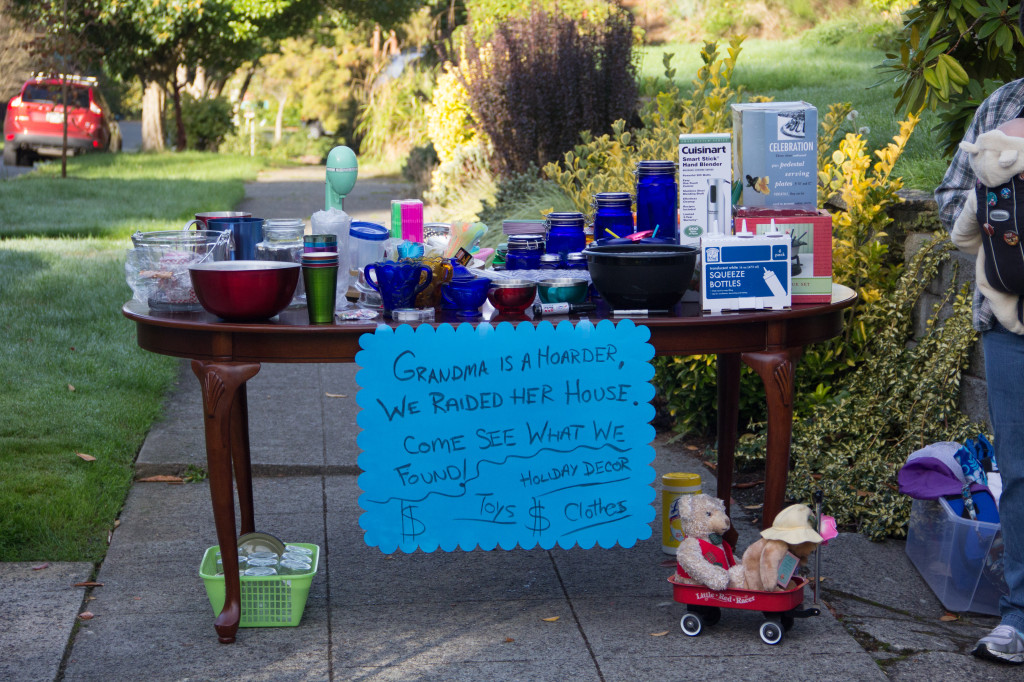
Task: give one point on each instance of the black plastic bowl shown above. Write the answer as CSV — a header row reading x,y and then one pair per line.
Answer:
x,y
651,276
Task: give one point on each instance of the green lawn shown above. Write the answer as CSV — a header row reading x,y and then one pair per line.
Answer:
x,y
74,380
822,75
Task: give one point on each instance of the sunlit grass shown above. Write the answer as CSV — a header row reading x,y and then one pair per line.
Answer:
x,y
75,381
113,195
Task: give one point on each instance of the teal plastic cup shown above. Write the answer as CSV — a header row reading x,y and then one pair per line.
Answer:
x,y
321,292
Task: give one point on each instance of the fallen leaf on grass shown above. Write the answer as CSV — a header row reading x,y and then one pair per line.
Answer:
x,y
509,639
947,617
659,634
748,484
552,619
87,458
71,388
335,395
160,478
692,447
89,583
40,567
117,522
710,465
86,615
753,506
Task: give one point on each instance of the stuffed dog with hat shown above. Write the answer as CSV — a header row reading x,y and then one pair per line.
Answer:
x,y
988,224
703,557
791,532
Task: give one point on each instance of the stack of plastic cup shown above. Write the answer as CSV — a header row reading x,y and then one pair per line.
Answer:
x,y
320,276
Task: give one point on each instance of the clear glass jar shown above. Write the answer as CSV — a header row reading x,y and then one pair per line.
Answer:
x,y
282,241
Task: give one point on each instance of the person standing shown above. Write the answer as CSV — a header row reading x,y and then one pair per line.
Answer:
x,y
1004,377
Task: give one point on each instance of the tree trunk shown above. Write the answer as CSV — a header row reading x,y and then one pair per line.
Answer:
x,y
152,117
180,140
279,119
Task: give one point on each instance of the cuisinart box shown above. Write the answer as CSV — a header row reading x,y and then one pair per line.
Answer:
x,y
705,185
811,235
775,153
745,272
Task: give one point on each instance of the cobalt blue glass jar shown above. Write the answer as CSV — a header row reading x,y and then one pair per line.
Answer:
x,y
657,199
613,215
524,251
565,233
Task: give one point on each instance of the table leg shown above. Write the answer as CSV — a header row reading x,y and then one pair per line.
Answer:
x,y
220,383
728,414
776,372
240,459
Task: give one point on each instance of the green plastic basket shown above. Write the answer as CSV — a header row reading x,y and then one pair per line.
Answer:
x,y
267,602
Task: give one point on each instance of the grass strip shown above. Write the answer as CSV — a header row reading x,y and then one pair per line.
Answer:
x,y
74,379
113,195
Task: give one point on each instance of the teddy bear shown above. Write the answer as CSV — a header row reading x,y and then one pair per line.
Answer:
x,y
703,557
791,532
987,225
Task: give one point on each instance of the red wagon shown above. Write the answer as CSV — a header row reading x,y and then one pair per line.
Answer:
x,y
704,607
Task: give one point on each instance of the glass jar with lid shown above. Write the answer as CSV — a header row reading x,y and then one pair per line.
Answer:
x,y
282,241
613,215
566,232
657,199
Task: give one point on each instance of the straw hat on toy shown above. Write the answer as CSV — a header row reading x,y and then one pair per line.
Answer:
x,y
793,525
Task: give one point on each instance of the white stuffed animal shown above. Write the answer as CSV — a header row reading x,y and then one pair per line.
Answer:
x,y
997,158
703,557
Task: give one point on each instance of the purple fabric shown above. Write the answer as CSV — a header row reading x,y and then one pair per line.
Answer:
x,y
929,478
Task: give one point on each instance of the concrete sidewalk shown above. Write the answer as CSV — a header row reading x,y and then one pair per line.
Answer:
x,y
444,616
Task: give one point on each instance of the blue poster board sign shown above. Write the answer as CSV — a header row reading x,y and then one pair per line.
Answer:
x,y
504,436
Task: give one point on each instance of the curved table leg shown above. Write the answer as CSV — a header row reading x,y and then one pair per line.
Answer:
x,y
776,372
728,413
223,386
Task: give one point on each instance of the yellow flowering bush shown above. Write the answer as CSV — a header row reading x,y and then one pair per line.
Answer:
x,y
449,118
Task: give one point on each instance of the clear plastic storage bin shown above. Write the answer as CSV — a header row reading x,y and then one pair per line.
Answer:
x,y
960,559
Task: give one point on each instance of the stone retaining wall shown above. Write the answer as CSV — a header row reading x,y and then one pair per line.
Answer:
x,y
915,220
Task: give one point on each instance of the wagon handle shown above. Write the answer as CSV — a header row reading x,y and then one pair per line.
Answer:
x,y
818,497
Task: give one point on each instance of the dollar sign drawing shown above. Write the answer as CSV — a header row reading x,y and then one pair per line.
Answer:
x,y
411,526
540,522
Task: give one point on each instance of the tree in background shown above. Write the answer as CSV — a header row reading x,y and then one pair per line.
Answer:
x,y
952,54
151,41
15,64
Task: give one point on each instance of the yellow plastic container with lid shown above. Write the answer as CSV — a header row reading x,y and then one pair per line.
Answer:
x,y
674,486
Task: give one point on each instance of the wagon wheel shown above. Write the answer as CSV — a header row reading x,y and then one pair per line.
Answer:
x,y
691,624
771,632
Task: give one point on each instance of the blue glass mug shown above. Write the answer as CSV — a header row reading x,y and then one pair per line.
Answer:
x,y
246,233
398,283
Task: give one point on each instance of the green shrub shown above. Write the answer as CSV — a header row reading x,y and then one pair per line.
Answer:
x,y
207,121
419,166
904,398
394,120
524,196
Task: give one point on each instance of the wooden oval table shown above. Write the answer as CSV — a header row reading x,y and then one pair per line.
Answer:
x,y
227,354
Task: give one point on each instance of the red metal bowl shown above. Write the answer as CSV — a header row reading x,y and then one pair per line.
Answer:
x,y
511,296
244,290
